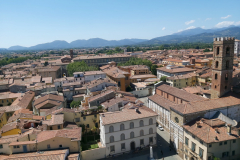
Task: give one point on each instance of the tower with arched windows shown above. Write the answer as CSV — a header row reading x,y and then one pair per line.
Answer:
x,y
222,66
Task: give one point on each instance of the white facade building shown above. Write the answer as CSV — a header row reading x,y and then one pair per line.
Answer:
x,y
92,75
123,131
237,47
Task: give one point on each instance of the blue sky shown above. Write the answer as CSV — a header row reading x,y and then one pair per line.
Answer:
x,y
31,22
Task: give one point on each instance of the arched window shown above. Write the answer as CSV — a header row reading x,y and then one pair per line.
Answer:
x,y
111,129
132,135
122,136
141,123
131,125
216,76
141,133
227,64
122,127
227,50
111,139
215,86
217,50
226,76
151,120
216,64
150,131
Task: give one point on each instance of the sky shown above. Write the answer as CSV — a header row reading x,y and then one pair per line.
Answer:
x,y
31,22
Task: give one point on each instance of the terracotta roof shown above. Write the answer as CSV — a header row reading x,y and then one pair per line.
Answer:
x,y
100,56
143,76
88,73
116,72
127,114
74,134
175,69
22,142
41,155
102,94
112,102
73,156
8,127
163,102
49,69
55,103
48,97
56,120
204,105
8,139
180,93
99,81
209,133
188,75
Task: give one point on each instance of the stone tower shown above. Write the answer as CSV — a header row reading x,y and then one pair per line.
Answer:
x,y
222,66
71,53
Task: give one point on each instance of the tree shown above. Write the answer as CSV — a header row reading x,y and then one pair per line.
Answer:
x,y
129,89
75,104
163,78
80,67
206,50
154,69
117,49
46,63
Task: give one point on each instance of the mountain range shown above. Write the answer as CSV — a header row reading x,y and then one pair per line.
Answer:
x,y
187,36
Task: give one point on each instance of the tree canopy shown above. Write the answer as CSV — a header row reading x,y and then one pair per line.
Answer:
x,y
79,67
163,78
75,104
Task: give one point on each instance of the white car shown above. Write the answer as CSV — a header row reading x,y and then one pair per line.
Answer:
x,y
160,128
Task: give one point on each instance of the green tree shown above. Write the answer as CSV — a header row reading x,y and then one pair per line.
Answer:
x,y
163,78
117,49
46,63
79,67
206,50
154,69
75,104
129,89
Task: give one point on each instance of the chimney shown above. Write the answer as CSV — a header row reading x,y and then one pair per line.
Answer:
x,y
198,125
229,129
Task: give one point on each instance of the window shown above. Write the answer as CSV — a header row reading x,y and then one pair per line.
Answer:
x,y
141,133
217,51
193,136
176,120
225,142
112,148
209,157
150,121
200,152
50,128
220,143
59,126
233,153
111,129
141,141
225,154
131,125
227,64
216,64
48,146
96,125
1,146
132,135
201,142
150,139
123,146
87,125
84,118
150,131
226,76
111,139
16,146
193,147
186,157
77,119
95,115
216,76
227,50
186,141
210,145
234,141
122,127
141,124
122,136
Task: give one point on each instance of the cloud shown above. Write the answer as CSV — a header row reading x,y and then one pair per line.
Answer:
x,y
189,22
203,27
237,23
163,28
191,27
226,17
208,19
224,24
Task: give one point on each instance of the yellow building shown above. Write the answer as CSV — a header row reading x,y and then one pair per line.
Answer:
x,y
203,63
87,118
7,98
3,119
205,79
182,81
10,129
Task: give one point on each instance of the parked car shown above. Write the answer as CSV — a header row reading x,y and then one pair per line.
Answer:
x,y
160,128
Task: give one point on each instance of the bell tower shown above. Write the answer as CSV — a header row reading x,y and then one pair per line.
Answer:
x,y
222,66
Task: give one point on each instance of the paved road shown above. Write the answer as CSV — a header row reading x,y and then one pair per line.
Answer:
x,y
162,144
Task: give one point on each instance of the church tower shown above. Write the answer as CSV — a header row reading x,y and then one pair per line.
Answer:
x,y
222,66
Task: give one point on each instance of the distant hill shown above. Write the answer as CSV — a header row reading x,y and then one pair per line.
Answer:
x,y
206,37
94,42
